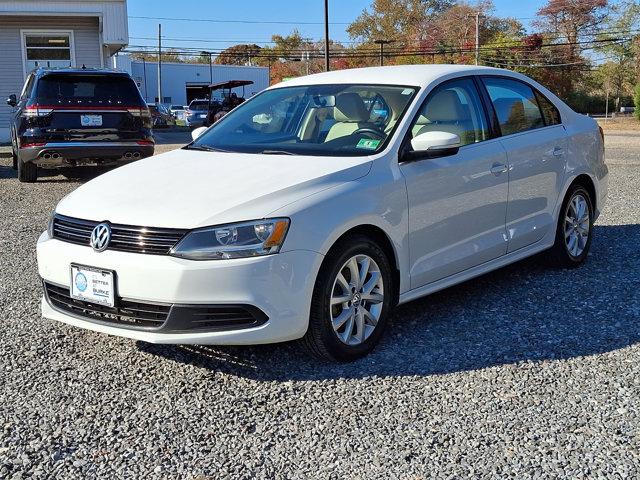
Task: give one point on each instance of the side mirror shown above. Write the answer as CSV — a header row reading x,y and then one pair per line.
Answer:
x,y
433,144
196,132
12,101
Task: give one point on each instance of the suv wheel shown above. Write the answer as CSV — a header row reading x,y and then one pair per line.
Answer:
x,y
27,171
575,229
351,301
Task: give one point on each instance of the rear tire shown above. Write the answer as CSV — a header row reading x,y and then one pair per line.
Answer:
x,y
349,312
14,155
27,171
574,231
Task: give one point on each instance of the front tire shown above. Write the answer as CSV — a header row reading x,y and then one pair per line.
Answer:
x,y
351,302
575,229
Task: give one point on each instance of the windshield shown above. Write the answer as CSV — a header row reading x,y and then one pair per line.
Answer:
x,y
340,120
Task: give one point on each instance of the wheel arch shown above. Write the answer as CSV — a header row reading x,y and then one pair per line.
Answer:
x,y
384,242
587,182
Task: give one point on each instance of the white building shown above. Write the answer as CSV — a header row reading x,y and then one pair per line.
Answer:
x,y
55,33
182,82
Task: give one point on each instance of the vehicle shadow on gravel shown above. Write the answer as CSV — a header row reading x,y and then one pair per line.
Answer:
x,y
520,313
7,171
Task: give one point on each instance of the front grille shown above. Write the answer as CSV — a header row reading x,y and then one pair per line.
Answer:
x,y
124,238
135,314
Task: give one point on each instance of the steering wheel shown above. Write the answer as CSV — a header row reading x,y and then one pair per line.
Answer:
x,y
371,131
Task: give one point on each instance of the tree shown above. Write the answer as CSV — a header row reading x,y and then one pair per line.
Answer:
x,y
636,101
618,72
394,19
168,56
566,22
237,55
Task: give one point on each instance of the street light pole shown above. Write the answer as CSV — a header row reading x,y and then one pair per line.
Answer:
x,y
382,44
326,35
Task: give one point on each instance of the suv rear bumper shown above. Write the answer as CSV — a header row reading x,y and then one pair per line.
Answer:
x,y
69,154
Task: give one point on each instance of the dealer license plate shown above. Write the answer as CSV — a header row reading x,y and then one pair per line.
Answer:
x,y
91,120
93,285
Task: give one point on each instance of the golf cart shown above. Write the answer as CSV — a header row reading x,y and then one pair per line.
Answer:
x,y
230,100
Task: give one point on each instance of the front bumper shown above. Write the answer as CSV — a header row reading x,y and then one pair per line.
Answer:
x,y
279,285
69,154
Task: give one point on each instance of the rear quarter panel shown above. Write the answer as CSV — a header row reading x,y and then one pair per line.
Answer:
x,y
586,155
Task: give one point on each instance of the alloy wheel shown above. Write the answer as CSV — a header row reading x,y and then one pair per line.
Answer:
x,y
356,300
576,225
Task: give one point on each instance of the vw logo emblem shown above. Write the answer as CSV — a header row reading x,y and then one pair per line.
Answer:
x,y
100,237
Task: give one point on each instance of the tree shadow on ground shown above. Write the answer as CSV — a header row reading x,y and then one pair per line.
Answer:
x,y
523,312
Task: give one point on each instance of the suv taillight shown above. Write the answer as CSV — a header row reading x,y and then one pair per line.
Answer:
x,y
36,111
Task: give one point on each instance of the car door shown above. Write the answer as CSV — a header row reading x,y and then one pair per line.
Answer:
x,y
457,203
536,144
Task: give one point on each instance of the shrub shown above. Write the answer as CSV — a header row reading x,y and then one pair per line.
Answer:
x,y
636,101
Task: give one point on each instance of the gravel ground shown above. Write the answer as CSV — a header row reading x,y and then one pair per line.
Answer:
x,y
523,373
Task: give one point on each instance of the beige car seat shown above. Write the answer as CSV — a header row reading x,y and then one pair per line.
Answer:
x,y
445,113
350,114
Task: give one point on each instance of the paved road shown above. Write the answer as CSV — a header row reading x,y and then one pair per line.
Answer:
x,y
523,373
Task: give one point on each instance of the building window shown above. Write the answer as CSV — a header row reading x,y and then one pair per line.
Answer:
x,y
47,49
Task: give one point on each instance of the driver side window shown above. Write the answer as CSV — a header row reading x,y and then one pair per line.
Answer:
x,y
453,107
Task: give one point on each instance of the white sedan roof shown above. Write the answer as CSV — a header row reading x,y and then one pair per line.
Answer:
x,y
409,75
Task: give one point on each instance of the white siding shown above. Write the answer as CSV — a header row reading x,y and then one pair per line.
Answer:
x,y
113,14
87,51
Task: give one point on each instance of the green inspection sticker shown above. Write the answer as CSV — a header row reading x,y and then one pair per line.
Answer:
x,y
368,144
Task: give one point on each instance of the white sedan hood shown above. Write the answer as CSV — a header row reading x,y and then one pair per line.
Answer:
x,y
189,189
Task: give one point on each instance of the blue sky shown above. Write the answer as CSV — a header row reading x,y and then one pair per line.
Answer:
x,y
305,15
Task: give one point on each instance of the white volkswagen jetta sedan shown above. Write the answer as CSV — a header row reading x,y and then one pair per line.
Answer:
x,y
314,208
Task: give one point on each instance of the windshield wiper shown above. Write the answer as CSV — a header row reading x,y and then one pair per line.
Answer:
x,y
203,148
277,152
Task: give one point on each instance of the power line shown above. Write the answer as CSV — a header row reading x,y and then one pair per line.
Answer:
x,y
398,51
252,22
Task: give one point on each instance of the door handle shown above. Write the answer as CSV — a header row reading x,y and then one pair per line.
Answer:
x,y
498,168
558,151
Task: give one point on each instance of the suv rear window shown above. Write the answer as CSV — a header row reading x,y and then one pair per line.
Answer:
x,y
87,90
198,105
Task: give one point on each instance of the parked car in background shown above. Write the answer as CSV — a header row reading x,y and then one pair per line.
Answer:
x,y
176,109
272,227
627,110
70,117
196,113
161,115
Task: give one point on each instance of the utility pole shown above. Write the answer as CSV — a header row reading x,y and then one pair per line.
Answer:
x,y
159,63
478,15
326,35
382,43
144,72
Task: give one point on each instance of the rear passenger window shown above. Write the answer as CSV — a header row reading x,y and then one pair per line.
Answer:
x,y
549,111
453,107
515,104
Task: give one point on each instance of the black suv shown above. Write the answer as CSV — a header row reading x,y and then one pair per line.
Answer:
x,y
71,117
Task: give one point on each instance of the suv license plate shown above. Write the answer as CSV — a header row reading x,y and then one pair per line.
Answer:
x,y
91,120
93,285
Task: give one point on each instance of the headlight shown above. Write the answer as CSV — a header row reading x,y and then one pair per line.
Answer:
x,y
236,240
